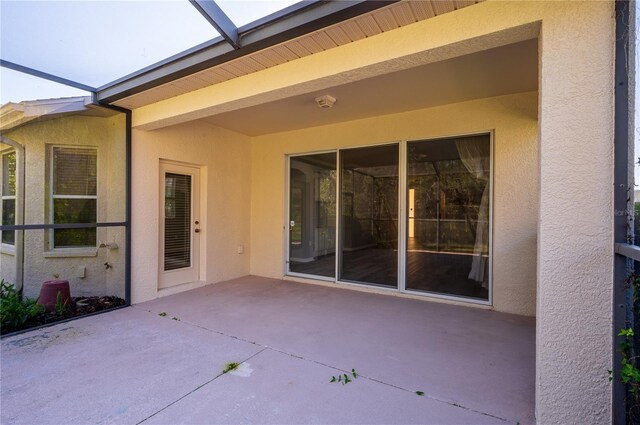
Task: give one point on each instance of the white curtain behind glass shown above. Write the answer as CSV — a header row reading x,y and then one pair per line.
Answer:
x,y
474,153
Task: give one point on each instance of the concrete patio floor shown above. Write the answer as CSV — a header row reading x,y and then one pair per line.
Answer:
x,y
133,366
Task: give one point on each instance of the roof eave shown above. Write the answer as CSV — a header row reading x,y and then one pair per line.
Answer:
x,y
291,24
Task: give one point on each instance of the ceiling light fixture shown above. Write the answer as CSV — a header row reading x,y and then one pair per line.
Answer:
x,y
325,101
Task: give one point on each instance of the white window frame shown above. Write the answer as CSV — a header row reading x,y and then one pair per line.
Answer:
x,y
87,250
7,247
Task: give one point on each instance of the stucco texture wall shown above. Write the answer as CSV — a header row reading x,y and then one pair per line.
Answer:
x,y
41,261
514,121
575,162
224,158
575,255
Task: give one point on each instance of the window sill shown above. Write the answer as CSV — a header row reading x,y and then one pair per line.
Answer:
x,y
71,252
7,249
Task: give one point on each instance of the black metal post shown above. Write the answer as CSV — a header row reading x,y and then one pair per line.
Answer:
x,y
46,76
623,192
128,163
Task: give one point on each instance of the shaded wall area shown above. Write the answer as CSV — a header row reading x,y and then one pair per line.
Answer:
x,y
224,159
512,118
74,172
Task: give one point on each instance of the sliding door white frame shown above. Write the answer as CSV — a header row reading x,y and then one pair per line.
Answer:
x,y
402,221
489,300
287,223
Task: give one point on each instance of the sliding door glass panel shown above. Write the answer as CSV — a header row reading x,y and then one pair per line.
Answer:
x,y
448,193
312,214
369,215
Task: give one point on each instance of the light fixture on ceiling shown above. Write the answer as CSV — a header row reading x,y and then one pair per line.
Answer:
x,y
325,101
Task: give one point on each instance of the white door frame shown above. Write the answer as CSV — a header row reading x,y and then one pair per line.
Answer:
x,y
167,279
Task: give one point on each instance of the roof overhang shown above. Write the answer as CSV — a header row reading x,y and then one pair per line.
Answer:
x,y
290,23
14,115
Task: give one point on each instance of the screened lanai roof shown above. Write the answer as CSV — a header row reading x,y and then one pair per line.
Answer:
x,y
120,49
95,42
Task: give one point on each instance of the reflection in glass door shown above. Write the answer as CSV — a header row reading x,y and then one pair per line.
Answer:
x,y
312,214
448,197
369,215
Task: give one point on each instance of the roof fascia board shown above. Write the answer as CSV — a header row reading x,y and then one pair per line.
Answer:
x,y
218,19
318,15
295,23
289,10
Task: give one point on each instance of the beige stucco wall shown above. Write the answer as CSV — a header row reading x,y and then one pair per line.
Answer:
x,y
43,263
225,160
514,122
575,201
575,255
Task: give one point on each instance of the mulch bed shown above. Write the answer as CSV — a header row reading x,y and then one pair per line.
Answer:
x,y
78,306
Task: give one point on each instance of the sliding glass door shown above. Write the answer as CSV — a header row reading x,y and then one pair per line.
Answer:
x,y
312,214
448,194
369,215
444,208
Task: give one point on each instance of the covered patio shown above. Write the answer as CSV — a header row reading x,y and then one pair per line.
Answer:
x,y
474,366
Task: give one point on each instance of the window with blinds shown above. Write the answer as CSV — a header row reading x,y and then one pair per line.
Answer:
x,y
177,221
74,197
8,193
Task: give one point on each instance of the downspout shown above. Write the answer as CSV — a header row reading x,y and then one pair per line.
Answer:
x,y
623,188
20,191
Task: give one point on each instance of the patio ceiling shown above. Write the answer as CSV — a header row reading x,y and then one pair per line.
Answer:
x,y
500,71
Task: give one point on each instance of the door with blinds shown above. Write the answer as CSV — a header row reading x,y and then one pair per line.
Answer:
x,y
180,228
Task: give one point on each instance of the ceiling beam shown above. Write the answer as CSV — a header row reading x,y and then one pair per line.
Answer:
x,y
219,20
297,20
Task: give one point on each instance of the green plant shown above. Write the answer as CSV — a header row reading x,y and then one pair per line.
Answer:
x,y
344,378
61,307
230,366
15,310
420,392
175,318
629,373
162,314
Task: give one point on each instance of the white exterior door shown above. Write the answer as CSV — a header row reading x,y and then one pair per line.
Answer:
x,y
179,260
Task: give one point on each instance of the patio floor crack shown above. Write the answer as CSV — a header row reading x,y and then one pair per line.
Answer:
x,y
266,347
450,403
197,388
